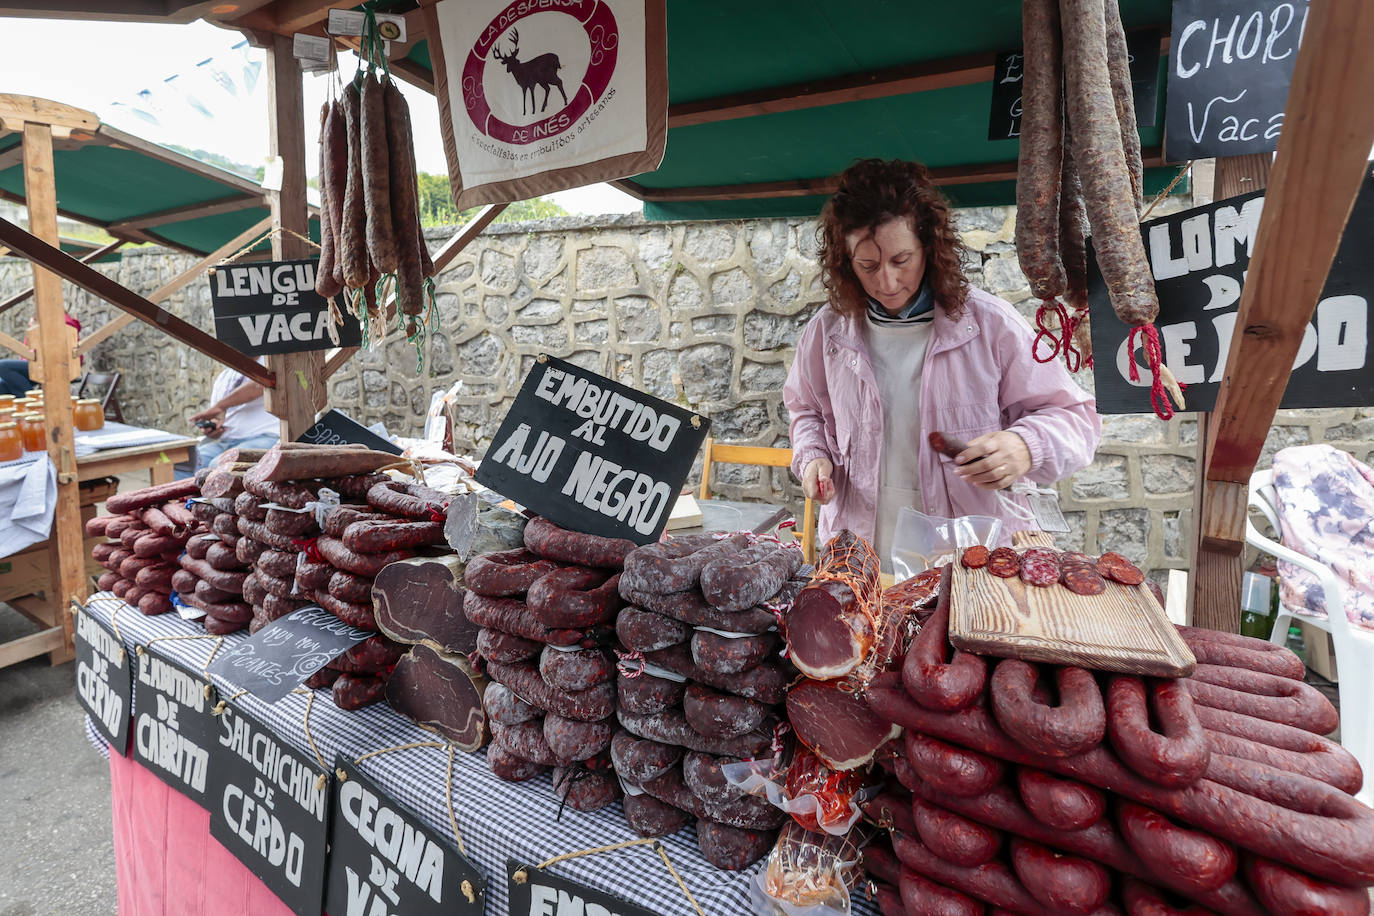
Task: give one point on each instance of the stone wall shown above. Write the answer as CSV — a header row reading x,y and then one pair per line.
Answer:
x,y
704,314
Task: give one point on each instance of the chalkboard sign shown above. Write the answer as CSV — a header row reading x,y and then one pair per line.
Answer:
x,y
276,659
1230,63
383,859
533,891
1142,50
273,308
269,807
1199,258
591,454
335,428
103,685
173,728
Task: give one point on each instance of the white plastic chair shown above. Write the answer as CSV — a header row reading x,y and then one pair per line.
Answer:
x,y
1353,645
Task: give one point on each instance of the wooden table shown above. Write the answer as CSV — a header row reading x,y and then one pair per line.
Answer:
x,y
26,579
736,515
158,459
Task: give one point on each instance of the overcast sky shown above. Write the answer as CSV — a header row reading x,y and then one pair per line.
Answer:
x,y
189,85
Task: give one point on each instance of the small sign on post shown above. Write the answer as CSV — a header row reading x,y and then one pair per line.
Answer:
x,y
382,858
269,806
103,684
1230,63
279,657
591,454
273,308
173,728
335,428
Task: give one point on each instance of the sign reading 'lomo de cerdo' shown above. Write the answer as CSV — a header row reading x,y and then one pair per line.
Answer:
x,y
591,454
537,96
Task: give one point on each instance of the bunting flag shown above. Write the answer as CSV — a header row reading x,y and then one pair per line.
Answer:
x,y
543,97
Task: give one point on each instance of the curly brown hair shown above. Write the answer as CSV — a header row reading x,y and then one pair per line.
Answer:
x,y
870,193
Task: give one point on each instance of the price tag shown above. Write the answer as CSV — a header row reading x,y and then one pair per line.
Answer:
x,y
311,47
345,22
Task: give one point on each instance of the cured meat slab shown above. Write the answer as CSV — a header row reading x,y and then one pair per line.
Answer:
x,y
1123,629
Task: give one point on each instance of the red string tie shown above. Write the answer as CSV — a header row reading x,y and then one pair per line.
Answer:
x,y
628,661
310,547
1159,398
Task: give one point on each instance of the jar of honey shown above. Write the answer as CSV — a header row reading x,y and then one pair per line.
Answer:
x,y
7,400
34,432
11,443
88,414
34,393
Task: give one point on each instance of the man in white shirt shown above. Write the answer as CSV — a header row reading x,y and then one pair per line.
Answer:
x,y
237,418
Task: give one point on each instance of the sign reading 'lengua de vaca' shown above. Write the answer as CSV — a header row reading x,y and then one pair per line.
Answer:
x,y
273,308
1230,63
591,454
1199,259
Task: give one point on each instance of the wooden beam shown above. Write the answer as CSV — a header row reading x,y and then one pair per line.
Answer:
x,y
96,283
1317,173
470,230
285,16
949,176
51,641
18,110
854,87
190,211
302,392
338,359
182,280
69,579
88,258
16,346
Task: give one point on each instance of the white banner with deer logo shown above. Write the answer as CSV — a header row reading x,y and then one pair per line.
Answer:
x,y
537,96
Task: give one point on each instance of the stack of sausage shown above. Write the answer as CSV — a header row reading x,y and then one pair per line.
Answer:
x,y
331,559
148,530
1057,790
545,611
211,576
700,686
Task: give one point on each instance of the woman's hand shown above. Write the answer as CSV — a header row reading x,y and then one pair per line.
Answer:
x,y
994,461
816,482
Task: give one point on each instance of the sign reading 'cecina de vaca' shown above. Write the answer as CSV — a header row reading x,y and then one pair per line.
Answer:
x,y
273,308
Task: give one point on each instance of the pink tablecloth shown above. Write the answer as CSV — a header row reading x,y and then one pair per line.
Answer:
x,y
166,862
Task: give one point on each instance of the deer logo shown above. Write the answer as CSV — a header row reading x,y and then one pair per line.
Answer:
x,y
529,74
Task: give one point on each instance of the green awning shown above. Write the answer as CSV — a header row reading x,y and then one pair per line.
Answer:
x,y
141,192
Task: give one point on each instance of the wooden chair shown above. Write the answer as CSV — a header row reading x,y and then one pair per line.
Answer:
x,y
767,457
102,385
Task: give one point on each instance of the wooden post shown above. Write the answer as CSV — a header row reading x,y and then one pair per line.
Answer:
x,y
300,390
1216,575
69,573
1317,173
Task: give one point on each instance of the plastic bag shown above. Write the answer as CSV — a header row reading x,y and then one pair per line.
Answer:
x,y
921,542
810,874
816,797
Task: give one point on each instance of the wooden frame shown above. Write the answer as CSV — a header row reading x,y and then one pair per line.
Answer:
x,y
713,451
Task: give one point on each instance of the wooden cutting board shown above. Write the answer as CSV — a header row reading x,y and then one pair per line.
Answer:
x,y
1123,629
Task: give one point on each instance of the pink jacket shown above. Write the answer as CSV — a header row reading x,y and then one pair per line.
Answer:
x,y
979,377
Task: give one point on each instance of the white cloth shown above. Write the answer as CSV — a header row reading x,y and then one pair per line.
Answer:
x,y
246,420
897,353
28,497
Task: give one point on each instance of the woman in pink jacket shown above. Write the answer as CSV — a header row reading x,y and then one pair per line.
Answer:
x,y
906,347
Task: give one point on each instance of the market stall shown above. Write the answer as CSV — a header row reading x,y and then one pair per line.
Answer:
x,y
641,672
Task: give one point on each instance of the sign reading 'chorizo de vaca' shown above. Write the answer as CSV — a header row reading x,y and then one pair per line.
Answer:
x,y
384,859
1199,258
537,96
1230,63
273,308
173,725
591,454
269,806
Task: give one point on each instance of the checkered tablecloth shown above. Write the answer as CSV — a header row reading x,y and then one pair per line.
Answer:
x,y
497,819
